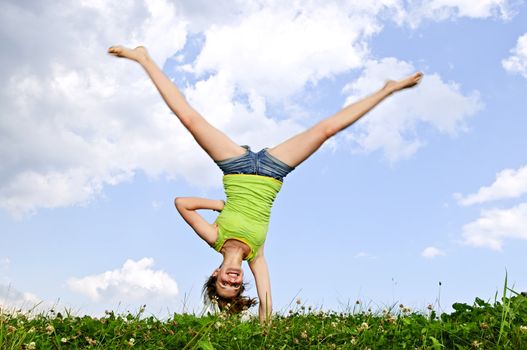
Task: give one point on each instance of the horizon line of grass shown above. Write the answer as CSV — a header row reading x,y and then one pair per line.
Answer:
x,y
483,325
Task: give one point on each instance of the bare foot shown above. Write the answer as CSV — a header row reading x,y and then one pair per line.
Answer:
x,y
405,83
139,54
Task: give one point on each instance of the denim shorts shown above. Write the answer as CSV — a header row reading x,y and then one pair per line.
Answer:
x,y
261,163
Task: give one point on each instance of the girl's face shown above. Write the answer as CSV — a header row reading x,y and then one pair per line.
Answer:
x,y
228,281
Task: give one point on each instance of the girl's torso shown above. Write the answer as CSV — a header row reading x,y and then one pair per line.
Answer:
x,y
247,210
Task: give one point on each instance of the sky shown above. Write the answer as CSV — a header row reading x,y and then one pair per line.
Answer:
x,y
423,201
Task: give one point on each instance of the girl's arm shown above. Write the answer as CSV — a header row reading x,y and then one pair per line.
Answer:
x,y
263,286
187,208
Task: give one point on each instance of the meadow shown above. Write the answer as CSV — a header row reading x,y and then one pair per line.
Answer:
x,y
497,324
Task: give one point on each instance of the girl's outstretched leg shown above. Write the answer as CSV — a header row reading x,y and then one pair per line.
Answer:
x,y
217,145
298,148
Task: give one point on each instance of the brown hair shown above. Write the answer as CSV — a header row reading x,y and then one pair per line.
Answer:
x,y
233,305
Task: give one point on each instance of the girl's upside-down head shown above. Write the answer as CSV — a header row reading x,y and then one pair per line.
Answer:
x,y
227,295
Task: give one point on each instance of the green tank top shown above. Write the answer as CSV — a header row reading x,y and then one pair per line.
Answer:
x,y
247,210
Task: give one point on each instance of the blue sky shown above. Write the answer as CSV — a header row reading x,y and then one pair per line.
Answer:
x,y
430,187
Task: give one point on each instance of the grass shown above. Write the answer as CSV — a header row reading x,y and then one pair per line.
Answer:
x,y
501,324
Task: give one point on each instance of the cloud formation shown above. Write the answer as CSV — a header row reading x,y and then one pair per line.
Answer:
x,y
441,10
13,299
432,252
391,127
517,62
135,280
68,125
494,226
509,183
292,45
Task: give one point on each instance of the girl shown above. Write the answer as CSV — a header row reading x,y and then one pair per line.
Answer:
x,y
251,181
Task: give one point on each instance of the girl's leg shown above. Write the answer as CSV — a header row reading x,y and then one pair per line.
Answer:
x,y
298,148
217,145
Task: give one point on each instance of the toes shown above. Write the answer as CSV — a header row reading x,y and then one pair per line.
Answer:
x,y
115,49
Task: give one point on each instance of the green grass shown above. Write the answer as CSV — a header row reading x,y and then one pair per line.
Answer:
x,y
501,324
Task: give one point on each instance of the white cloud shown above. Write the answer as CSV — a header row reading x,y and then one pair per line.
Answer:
x,y
278,49
84,119
391,127
440,10
496,225
135,280
13,299
517,62
509,183
432,252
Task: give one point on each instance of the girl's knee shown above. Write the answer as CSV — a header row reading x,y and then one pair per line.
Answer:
x,y
324,131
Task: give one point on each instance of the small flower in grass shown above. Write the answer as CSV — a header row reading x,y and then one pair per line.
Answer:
x,y
334,324
296,341
11,329
218,325
64,340
353,341
131,342
475,344
363,327
31,346
303,334
90,341
245,316
32,330
50,329
392,319
523,329
484,325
